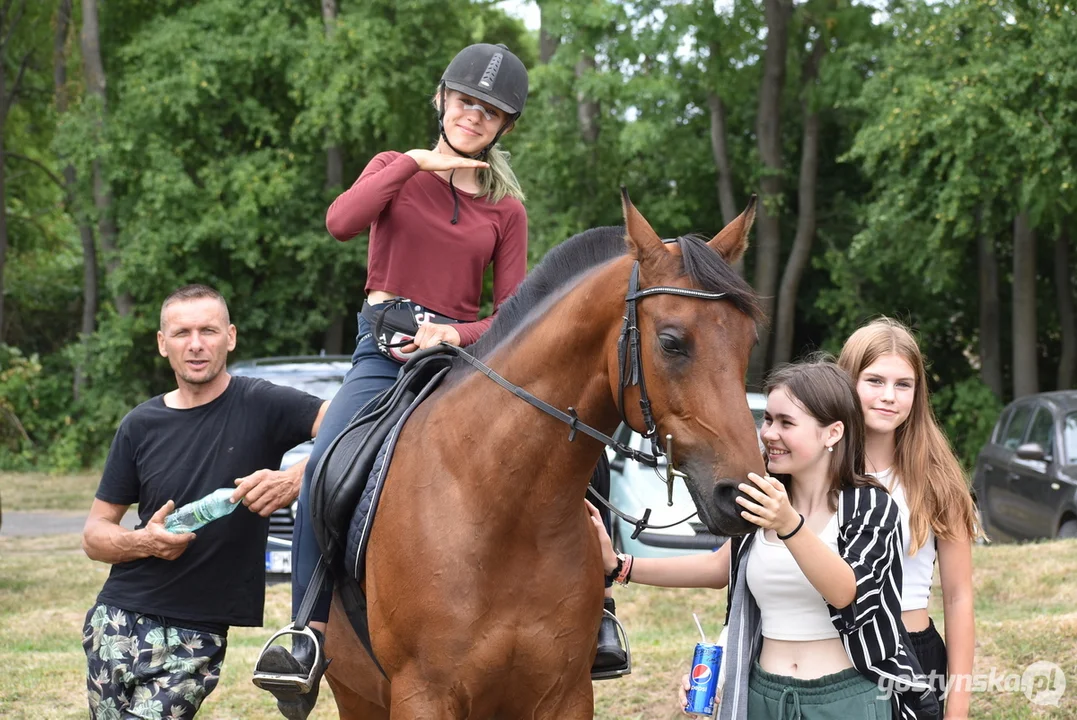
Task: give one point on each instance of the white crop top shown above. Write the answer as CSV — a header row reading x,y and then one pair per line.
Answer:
x,y
918,569
789,606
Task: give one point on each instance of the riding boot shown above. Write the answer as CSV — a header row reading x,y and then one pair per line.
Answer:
x,y
292,703
611,656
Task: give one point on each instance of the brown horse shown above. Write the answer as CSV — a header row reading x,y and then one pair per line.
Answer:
x,y
484,576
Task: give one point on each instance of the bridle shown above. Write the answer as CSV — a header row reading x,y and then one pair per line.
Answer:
x,y
630,371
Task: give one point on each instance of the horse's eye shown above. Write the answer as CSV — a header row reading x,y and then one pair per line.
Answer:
x,y
671,344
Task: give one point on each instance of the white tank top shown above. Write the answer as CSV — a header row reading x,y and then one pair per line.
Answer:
x,y
918,569
790,607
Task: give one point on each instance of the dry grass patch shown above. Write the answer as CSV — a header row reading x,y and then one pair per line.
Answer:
x,y
47,585
38,491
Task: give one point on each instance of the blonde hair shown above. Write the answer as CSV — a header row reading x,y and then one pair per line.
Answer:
x,y
936,488
498,181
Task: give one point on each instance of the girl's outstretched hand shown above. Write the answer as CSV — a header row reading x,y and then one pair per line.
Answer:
x,y
769,506
431,161
609,557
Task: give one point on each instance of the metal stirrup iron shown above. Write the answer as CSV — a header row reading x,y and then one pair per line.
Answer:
x,y
613,673
297,683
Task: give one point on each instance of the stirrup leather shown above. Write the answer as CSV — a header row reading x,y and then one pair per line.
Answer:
x,y
626,669
294,682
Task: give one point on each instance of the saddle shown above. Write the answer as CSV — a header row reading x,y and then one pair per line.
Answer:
x,y
341,475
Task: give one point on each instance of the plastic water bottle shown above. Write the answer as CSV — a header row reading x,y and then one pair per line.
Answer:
x,y
195,514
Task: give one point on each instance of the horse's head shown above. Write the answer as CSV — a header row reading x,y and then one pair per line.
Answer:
x,y
694,354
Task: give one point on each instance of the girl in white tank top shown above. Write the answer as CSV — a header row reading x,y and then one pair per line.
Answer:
x,y
814,634
909,454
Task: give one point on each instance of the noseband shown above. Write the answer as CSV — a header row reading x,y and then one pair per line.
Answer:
x,y
630,370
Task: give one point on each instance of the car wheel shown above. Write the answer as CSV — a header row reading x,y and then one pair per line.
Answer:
x,y
1068,531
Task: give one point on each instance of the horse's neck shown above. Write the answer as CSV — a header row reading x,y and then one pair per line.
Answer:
x,y
562,359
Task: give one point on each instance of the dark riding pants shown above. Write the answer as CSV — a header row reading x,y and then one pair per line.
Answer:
x,y
371,373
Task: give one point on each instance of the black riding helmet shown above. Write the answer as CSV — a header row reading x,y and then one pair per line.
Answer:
x,y
491,73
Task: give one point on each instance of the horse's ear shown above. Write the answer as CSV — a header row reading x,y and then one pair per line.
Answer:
x,y
732,241
640,236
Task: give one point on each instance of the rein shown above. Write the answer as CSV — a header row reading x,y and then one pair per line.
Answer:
x,y
630,369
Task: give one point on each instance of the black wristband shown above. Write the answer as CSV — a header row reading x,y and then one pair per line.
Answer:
x,y
617,570
795,530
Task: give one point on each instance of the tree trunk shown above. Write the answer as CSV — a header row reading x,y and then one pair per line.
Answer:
x,y
1067,318
586,109
3,193
769,137
1025,373
334,156
727,203
720,150
990,347
334,337
805,234
8,97
89,249
548,38
102,194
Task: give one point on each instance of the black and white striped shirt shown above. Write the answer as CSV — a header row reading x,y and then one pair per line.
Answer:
x,y
875,639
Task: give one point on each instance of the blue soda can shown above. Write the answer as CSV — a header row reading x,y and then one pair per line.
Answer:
x,y
703,679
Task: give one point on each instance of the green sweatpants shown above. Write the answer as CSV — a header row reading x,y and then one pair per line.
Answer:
x,y
842,696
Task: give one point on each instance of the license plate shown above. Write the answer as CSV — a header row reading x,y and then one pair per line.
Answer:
x,y
278,561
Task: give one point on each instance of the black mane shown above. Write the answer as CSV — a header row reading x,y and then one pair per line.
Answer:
x,y
702,264
560,265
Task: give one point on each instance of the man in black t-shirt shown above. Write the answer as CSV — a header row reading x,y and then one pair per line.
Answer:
x,y
156,637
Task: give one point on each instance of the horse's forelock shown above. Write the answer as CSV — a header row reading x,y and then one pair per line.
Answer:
x,y
709,271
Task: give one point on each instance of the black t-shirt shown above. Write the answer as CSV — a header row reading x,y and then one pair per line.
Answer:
x,y
161,454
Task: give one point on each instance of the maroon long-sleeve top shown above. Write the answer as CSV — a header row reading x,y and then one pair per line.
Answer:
x,y
416,252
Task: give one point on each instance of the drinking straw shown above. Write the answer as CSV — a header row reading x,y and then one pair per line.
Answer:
x,y
698,625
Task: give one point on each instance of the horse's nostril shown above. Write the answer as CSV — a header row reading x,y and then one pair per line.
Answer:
x,y
725,496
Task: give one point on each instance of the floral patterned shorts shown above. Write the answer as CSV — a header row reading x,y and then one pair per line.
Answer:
x,y
141,667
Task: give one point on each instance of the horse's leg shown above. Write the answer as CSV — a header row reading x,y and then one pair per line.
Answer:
x,y
360,691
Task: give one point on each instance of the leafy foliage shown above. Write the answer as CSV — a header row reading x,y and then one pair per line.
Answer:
x,y
938,122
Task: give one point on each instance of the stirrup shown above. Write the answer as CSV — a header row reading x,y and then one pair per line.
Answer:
x,y
626,669
291,683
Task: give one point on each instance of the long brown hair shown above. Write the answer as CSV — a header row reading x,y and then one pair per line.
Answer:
x,y
825,392
935,486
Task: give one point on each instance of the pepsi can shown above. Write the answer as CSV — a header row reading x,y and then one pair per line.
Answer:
x,y
703,679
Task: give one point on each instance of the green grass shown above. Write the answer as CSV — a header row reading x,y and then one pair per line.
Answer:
x,y
1026,601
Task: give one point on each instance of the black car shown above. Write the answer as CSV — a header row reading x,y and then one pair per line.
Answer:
x,y
1026,475
320,375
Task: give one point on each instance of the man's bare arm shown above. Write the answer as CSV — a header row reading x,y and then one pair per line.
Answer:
x,y
105,540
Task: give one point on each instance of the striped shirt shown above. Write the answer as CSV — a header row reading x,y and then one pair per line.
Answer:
x,y
875,639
